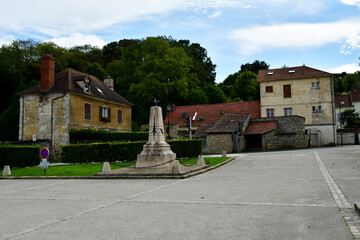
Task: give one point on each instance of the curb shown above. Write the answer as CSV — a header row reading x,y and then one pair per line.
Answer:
x,y
124,177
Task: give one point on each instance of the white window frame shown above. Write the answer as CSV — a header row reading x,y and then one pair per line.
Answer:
x,y
270,112
287,111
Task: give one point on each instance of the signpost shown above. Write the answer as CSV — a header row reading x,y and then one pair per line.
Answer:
x,y
44,154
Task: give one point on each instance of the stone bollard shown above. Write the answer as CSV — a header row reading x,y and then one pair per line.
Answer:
x,y
200,161
106,167
224,154
6,170
176,167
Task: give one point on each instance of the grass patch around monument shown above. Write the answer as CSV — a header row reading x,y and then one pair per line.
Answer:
x,y
212,160
64,170
90,169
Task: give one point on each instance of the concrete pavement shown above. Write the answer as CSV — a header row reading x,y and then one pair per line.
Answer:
x,y
302,194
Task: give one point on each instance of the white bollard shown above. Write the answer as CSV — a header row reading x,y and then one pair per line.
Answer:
x,y
6,170
176,167
224,154
200,161
106,167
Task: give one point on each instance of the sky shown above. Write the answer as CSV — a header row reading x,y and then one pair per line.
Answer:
x,y
323,34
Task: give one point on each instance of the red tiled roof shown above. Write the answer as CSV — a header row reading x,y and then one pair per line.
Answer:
x,y
201,131
346,98
66,81
212,112
260,127
290,73
355,95
228,122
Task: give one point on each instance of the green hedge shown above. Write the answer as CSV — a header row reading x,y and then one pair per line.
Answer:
x,y
91,135
122,151
19,156
186,148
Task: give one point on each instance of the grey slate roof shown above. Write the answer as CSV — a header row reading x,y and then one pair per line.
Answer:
x,y
65,81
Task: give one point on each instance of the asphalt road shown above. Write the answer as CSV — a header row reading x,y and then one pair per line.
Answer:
x,y
306,194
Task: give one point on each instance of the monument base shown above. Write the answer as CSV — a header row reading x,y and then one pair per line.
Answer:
x,y
133,172
156,156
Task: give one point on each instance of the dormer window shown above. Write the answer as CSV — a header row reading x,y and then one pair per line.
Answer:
x,y
183,115
201,119
87,87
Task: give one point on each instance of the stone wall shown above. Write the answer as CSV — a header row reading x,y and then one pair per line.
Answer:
x,y
290,133
216,143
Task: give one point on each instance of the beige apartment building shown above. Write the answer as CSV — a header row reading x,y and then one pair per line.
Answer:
x,y
301,91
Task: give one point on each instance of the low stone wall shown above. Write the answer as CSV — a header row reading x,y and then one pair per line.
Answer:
x,y
216,143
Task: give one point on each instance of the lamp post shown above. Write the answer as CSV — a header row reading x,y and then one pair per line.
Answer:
x,y
168,108
341,133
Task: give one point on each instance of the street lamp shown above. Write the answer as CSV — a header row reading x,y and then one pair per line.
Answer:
x,y
341,133
168,108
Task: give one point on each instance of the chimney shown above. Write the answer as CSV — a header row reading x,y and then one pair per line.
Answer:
x,y
47,72
109,82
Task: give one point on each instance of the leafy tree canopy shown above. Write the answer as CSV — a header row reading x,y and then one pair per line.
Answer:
x,y
350,119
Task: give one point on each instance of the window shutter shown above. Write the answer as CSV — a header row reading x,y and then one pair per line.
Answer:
x,y
119,121
100,113
109,113
287,91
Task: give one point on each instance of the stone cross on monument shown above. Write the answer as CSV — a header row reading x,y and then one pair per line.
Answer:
x,y
156,153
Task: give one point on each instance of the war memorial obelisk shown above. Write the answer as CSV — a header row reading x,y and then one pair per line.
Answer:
x,y
156,152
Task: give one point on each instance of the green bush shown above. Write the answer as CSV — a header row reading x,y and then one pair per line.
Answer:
x,y
122,151
186,148
19,156
91,135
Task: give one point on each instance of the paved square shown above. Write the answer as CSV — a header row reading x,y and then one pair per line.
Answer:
x,y
302,194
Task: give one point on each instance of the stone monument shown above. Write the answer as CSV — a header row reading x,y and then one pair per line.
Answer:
x,y
156,153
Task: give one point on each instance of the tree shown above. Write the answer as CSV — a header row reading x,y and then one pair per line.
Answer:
x,y
350,119
247,87
96,70
254,67
350,81
214,94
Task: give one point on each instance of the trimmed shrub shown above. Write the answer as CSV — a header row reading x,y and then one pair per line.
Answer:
x,y
19,156
77,136
122,151
101,152
186,148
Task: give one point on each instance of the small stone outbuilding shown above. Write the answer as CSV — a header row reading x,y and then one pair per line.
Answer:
x,y
238,132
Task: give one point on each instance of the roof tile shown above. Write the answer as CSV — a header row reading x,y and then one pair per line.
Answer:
x,y
290,73
260,127
212,112
66,81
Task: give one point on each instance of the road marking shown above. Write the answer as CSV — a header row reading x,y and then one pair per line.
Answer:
x,y
234,203
345,207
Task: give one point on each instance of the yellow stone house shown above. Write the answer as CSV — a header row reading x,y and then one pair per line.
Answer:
x,y
70,100
301,91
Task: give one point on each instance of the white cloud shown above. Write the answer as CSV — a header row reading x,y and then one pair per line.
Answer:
x,y
297,35
6,40
351,2
78,39
348,68
78,16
